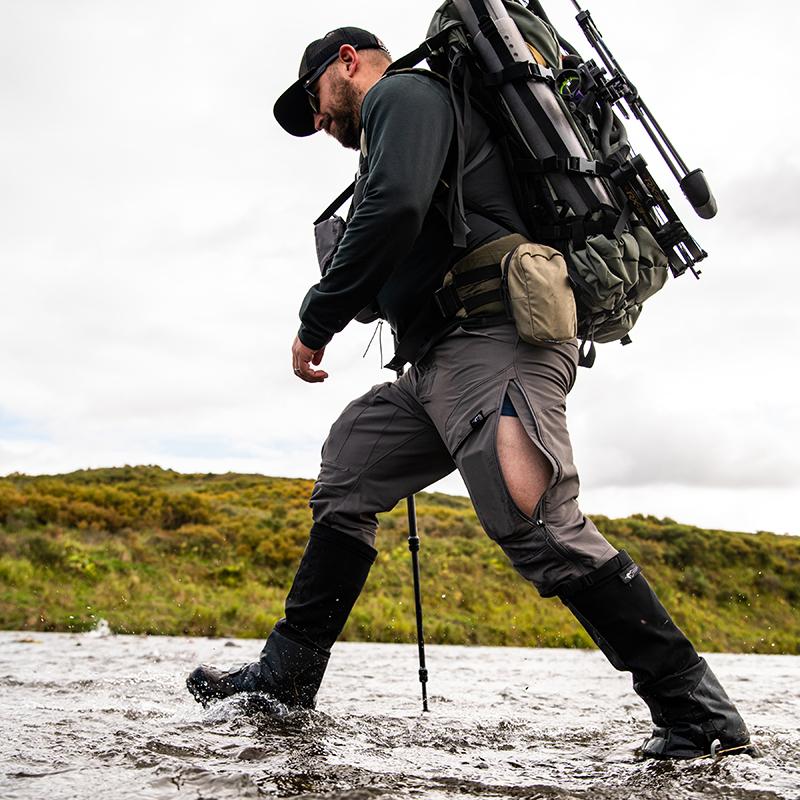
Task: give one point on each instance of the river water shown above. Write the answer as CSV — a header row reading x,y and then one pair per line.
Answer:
x,y
102,716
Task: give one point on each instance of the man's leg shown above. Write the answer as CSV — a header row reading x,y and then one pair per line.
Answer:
x,y
525,494
381,449
525,470
692,713
519,469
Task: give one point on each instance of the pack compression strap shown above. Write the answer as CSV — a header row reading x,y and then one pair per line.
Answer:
x,y
518,71
570,165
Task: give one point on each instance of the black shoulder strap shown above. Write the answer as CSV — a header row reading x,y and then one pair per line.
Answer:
x,y
334,206
425,73
427,48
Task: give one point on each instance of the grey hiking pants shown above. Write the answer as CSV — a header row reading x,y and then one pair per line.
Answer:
x,y
443,414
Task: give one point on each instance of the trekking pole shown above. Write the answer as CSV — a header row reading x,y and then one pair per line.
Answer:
x,y
413,546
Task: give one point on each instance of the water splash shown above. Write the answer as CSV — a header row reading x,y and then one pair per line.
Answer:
x,y
100,631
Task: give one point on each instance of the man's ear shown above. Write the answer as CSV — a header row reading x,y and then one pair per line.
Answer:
x,y
348,55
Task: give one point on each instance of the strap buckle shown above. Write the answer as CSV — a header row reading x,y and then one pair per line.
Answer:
x,y
519,70
447,301
581,165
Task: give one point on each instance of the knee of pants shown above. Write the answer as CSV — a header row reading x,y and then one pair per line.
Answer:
x,y
542,553
548,545
336,509
379,451
336,499
538,557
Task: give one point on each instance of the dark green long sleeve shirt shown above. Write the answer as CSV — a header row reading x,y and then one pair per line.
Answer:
x,y
398,244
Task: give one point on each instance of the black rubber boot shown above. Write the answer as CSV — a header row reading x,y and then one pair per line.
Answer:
x,y
693,715
329,580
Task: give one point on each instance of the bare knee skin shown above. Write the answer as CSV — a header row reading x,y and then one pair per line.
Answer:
x,y
526,471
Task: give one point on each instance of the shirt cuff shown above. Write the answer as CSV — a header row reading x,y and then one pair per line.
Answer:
x,y
311,341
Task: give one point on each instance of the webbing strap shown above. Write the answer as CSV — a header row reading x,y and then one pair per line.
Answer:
x,y
447,301
334,206
482,299
576,230
456,214
477,275
428,47
450,301
518,71
622,222
570,165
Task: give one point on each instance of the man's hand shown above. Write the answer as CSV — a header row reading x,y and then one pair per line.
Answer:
x,y
302,359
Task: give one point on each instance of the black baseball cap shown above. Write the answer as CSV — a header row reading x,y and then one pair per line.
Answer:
x,y
292,109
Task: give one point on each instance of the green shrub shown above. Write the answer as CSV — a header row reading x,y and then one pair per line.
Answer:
x,y
228,575
47,552
694,581
202,539
152,550
15,571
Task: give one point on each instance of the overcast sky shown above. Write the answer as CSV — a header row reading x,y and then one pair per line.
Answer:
x,y
156,242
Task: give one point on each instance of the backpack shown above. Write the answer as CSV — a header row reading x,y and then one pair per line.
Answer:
x,y
579,187
573,169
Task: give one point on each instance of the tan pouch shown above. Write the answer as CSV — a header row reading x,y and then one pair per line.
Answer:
x,y
539,294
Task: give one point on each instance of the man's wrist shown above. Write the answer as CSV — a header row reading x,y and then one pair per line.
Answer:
x,y
310,341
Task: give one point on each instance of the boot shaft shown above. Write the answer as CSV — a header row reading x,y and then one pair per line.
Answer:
x,y
329,580
627,621
622,614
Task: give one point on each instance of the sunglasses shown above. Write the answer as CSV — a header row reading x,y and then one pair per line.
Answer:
x,y
313,97
313,100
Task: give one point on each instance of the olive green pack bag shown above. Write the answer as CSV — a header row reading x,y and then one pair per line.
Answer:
x,y
539,295
514,277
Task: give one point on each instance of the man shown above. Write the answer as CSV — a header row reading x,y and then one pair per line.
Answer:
x,y
477,398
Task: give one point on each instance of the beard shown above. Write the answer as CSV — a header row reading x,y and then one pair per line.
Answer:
x,y
345,121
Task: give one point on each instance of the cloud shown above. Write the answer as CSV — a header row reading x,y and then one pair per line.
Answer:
x,y
766,199
741,509
155,241
701,453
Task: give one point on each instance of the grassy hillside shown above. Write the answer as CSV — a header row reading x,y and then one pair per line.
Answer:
x,y
155,551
